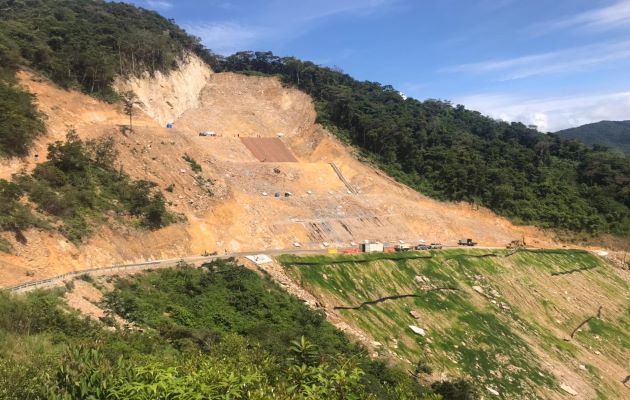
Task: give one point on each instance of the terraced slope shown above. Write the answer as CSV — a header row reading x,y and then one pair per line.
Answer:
x,y
504,319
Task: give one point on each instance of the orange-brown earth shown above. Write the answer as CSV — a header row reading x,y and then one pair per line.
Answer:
x,y
233,213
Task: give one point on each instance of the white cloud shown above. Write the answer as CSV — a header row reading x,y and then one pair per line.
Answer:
x,y
613,16
325,8
552,113
226,37
160,4
279,20
556,62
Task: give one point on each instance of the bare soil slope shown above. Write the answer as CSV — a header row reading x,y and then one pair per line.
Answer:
x,y
226,206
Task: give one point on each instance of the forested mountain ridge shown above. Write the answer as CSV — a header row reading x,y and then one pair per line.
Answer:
x,y
613,134
453,153
85,44
82,45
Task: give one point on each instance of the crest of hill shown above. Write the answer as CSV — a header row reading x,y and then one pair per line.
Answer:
x,y
613,134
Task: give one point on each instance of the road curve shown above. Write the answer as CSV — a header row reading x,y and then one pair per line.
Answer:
x,y
152,264
168,263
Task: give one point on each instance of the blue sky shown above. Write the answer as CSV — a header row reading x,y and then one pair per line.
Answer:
x,y
554,63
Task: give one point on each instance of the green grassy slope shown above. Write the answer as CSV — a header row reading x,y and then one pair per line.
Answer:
x,y
530,303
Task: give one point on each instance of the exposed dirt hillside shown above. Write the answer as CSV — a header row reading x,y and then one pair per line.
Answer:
x,y
225,207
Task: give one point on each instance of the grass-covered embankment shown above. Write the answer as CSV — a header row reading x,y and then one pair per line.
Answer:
x,y
523,302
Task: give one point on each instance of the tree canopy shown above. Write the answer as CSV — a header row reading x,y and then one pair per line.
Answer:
x,y
613,134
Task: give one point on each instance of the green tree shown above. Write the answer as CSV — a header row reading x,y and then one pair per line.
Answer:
x,y
130,100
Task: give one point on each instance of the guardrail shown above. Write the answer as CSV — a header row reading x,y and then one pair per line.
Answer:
x,y
48,282
154,264
74,274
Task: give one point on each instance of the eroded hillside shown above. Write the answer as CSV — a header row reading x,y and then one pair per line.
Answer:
x,y
231,205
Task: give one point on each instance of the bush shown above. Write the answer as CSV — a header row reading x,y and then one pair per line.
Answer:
x,y
20,122
193,164
78,184
459,389
14,215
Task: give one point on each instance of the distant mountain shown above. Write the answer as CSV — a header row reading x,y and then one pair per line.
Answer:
x,y
613,134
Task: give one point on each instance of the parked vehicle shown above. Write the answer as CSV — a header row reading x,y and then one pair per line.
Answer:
x,y
403,247
207,133
436,246
423,247
466,242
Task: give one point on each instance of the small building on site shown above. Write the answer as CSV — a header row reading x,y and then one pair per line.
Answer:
x,y
372,247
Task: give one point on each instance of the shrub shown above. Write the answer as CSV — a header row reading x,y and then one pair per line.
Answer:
x,y
77,184
20,122
193,164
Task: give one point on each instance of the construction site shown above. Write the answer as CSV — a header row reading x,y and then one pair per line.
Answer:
x,y
252,174
271,177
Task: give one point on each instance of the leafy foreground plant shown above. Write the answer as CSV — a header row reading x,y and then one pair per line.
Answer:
x,y
47,352
231,371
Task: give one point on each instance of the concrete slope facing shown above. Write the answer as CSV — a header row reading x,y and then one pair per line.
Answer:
x,y
268,149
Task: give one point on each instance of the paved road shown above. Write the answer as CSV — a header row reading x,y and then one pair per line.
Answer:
x,y
152,264
169,263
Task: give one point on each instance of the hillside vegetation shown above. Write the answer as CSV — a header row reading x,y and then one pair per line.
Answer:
x,y
80,45
77,188
452,153
612,134
219,332
503,319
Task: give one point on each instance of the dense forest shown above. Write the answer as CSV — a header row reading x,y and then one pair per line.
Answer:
x,y
86,44
452,153
613,134
216,332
